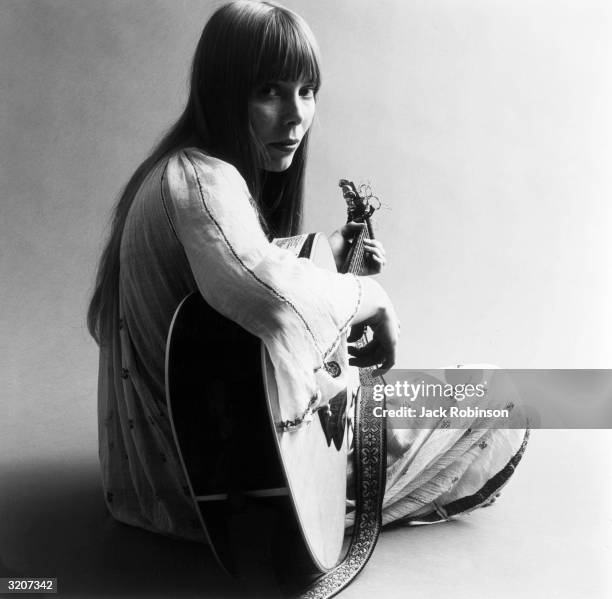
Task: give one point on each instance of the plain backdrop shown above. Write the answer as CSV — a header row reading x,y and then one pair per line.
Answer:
x,y
483,125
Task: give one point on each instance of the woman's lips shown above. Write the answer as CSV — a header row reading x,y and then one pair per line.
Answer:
x,y
288,145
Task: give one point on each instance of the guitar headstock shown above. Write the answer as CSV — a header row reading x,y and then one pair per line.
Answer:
x,y
358,205
359,209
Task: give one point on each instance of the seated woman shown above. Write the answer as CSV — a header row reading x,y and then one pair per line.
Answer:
x,y
199,214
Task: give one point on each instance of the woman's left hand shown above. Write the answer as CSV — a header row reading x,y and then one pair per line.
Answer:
x,y
340,241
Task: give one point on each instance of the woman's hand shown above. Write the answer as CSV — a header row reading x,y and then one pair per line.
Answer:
x,y
377,313
341,240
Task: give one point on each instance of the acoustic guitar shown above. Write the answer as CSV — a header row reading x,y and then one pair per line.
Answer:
x,y
224,409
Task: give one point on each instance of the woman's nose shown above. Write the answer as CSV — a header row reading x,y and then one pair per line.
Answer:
x,y
294,110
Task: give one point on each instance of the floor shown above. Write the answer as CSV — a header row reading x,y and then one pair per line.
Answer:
x,y
549,534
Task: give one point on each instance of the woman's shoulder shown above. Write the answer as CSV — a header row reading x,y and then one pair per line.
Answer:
x,y
202,164
193,173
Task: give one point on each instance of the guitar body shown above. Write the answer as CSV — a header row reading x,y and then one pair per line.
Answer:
x,y
225,413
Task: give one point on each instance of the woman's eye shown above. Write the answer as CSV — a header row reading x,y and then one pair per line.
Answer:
x,y
275,90
308,92
269,89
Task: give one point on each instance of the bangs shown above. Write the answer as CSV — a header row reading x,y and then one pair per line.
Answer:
x,y
289,51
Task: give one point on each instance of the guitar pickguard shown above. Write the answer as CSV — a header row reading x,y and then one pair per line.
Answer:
x,y
333,420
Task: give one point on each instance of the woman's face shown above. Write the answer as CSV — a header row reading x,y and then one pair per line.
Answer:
x,y
281,113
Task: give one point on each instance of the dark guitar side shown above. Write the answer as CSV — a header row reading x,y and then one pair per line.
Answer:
x,y
220,420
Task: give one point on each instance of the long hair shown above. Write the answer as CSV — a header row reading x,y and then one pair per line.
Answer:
x,y
243,45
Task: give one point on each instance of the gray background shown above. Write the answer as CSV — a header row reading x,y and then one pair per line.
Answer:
x,y
485,128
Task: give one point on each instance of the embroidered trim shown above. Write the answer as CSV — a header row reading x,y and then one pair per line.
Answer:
x,y
292,425
480,498
492,486
439,509
347,322
163,200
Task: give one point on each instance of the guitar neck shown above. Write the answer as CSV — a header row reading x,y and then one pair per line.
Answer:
x,y
354,262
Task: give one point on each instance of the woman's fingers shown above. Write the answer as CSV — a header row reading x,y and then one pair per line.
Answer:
x,y
356,333
375,250
372,358
374,243
384,368
368,355
364,350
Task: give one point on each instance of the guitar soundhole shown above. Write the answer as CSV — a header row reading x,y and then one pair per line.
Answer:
x,y
333,420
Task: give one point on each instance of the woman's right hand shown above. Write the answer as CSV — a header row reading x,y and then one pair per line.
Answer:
x,y
376,312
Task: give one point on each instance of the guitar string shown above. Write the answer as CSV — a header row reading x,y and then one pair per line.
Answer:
x,y
359,253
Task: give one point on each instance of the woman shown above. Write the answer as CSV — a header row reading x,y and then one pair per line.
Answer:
x,y
199,214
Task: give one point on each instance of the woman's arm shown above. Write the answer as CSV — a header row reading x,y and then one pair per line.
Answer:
x,y
299,311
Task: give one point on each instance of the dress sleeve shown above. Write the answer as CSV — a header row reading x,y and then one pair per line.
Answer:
x,y
300,311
